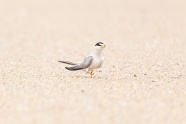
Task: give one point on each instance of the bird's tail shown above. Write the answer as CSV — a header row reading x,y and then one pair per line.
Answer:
x,y
67,62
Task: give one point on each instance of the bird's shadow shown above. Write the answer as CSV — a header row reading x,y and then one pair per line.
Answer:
x,y
87,77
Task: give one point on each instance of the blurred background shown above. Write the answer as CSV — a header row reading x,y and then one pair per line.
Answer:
x,y
142,80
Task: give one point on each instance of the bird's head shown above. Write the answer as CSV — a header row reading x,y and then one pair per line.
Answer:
x,y
100,45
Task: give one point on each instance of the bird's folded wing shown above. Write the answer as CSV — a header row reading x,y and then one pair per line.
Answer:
x,y
85,64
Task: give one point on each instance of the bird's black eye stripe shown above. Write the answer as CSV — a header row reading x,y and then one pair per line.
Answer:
x,y
99,44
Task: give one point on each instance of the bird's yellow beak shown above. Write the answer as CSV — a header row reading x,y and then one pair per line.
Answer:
x,y
103,46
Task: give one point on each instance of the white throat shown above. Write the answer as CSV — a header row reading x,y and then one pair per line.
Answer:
x,y
97,51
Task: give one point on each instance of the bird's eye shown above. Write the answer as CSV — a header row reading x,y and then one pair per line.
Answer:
x,y
98,44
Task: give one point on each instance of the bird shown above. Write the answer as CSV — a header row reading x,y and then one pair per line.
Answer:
x,y
91,61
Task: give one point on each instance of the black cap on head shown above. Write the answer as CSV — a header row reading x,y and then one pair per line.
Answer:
x,y
99,44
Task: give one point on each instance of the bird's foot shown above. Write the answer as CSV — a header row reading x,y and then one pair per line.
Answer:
x,y
91,73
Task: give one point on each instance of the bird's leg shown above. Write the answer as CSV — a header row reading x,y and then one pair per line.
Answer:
x,y
91,73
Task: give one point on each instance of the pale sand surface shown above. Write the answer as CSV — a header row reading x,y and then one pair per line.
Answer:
x,y
143,80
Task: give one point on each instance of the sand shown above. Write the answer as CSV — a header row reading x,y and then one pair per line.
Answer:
x,y
143,79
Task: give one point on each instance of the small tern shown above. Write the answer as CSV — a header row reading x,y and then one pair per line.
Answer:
x,y
92,61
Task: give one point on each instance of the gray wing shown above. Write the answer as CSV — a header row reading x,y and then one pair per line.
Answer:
x,y
85,64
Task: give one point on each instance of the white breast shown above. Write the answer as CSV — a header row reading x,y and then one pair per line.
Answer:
x,y
97,59
96,63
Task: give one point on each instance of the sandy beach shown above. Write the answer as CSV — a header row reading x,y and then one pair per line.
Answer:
x,y
142,81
